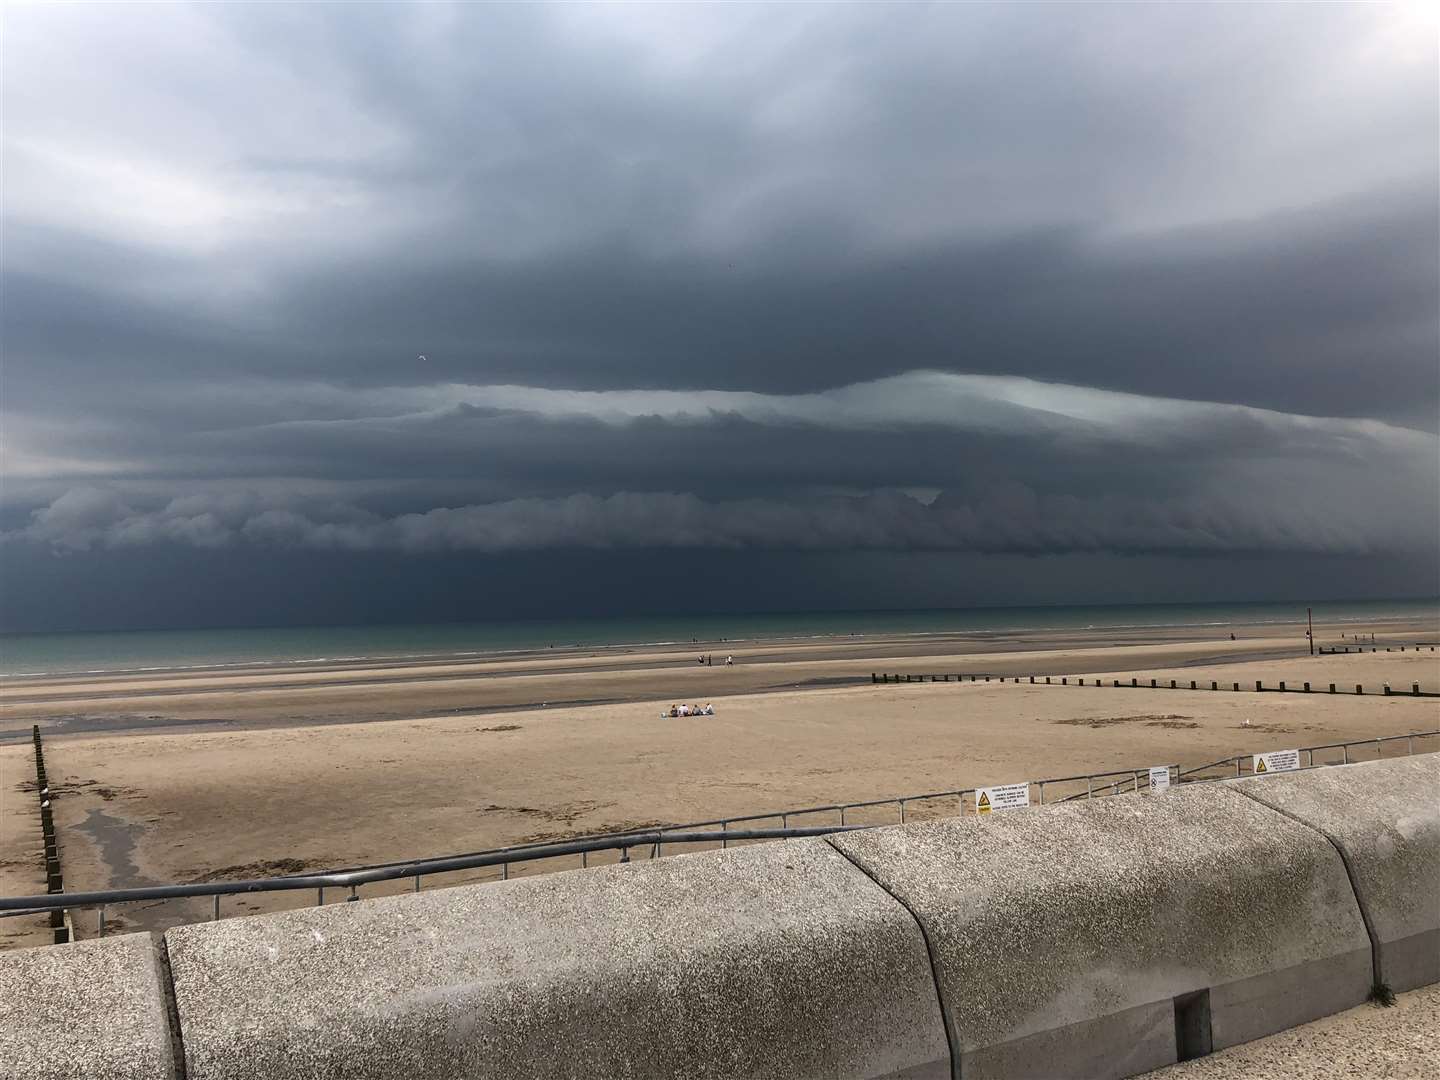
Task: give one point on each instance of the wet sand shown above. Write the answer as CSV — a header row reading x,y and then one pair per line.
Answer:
x,y
309,771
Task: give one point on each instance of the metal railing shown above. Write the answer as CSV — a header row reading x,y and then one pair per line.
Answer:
x,y
652,841
1235,765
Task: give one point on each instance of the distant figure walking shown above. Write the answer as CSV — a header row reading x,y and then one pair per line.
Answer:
x,y
729,661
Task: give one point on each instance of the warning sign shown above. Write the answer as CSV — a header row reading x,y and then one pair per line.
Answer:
x,y
1159,778
1002,797
1276,761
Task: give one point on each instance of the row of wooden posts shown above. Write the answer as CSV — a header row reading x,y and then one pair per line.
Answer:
x,y
1282,688
1341,650
53,882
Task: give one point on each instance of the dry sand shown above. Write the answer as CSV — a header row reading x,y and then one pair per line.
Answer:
x,y
275,783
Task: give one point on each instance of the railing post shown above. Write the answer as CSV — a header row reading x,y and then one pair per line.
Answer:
x,y
354,894
217,907
1042,792
902,811
102,920
1089,787
1346,750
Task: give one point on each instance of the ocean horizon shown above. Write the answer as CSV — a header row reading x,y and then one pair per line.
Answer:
x,y
88,652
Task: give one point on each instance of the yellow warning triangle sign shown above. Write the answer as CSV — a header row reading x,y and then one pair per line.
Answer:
x,y
1260,766
983,806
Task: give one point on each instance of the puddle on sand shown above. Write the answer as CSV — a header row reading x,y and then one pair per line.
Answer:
x,y
115,838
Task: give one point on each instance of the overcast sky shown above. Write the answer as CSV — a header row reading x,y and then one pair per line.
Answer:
x,y
511,310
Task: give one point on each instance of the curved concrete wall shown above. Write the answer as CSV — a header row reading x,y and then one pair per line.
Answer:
x,y
1051,941
1385,821
773,960
1065,934
90,1009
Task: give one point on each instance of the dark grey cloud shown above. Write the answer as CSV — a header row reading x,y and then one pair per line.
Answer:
x,y
389,282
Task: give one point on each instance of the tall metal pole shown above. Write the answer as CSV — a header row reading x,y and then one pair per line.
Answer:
x,y
1310,633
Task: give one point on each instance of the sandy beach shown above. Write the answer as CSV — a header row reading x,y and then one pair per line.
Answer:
x,y
198,775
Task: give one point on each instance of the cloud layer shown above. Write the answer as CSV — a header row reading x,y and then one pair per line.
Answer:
x,y
397,280
1061,469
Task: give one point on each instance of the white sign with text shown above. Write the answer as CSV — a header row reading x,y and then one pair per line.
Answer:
x,y
1002,797
1276,761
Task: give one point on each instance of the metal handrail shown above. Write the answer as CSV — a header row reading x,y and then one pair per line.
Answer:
x,y
1237,759
668,831
351,879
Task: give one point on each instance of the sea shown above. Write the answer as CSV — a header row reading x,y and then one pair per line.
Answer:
x,y
165,650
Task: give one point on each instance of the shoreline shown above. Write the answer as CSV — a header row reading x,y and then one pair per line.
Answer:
x,y
269,697
958,634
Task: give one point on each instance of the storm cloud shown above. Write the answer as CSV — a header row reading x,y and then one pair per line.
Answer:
x,y
403,282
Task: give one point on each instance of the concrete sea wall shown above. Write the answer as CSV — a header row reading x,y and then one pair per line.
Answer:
x,y
1096,939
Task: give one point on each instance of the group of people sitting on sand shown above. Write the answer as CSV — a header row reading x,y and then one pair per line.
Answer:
x,y
690,710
